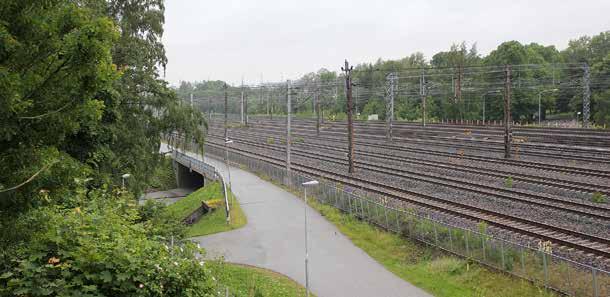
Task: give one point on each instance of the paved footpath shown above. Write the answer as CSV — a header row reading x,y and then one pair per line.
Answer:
x,y
274,239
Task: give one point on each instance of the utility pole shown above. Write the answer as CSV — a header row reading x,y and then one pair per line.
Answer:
x,y
191,100
390,105
242,102
226,111
210,110
586,97
508,133
246,109
356,100
269,107
422,92
317,100
288,136
350,121
336,90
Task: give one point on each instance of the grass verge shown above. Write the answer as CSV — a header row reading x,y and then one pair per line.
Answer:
x,y
214,221
438,273
245,280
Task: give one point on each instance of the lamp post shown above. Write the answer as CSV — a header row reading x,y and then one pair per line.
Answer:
x,y
305,185
484,102
577,114
227,142
124,177
540,104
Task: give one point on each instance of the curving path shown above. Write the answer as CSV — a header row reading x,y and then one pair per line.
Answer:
x,y
274,239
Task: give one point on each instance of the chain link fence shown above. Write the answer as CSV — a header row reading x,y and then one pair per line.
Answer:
x,y
538,265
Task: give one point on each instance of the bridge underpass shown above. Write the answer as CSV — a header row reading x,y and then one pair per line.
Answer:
x,y
187,177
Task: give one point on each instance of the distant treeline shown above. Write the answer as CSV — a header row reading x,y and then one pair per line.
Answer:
x,y
457,83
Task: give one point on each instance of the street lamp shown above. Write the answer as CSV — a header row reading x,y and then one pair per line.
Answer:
x,y
540,105
484,103
227,142
305,185
577,114
124,177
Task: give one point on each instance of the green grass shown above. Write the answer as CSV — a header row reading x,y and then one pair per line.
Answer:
x,y
252,281
185,206
437,273
214,221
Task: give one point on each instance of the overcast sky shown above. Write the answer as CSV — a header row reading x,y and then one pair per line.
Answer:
x,y
229,39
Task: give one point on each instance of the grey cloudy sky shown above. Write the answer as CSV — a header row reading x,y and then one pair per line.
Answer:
x,y
284,39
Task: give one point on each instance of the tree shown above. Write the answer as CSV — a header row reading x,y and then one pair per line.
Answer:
x,y
55,62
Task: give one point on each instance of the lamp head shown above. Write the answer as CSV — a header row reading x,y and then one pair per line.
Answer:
x,y
310,183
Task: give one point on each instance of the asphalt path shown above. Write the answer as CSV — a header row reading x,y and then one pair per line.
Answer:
x,y
274,238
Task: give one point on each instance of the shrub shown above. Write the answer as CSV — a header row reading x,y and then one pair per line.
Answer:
x,y
598,197
101,250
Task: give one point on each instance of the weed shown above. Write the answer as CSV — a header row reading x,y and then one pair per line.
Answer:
x,y
508,182
598,197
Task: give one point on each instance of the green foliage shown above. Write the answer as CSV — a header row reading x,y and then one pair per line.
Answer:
x,y
82,104
598,197
99,249
164,177
508,182
482,226
375,106
55,61
270,140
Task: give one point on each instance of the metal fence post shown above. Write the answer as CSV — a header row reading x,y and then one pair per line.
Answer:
x,y
435,232
362,209
349,202
546,271
385,211
595,288
523,262
398,212
502,253
450,237
467,247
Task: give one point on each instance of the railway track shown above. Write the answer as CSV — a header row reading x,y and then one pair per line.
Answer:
x,y
586,243
499,161
548,201
549,135
497,173
459,141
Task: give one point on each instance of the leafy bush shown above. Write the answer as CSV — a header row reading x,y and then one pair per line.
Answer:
x,y
100,250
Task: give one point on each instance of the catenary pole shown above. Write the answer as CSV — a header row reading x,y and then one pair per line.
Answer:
x,y
226,111
586,96
390,106
350,120
288,123
507,115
